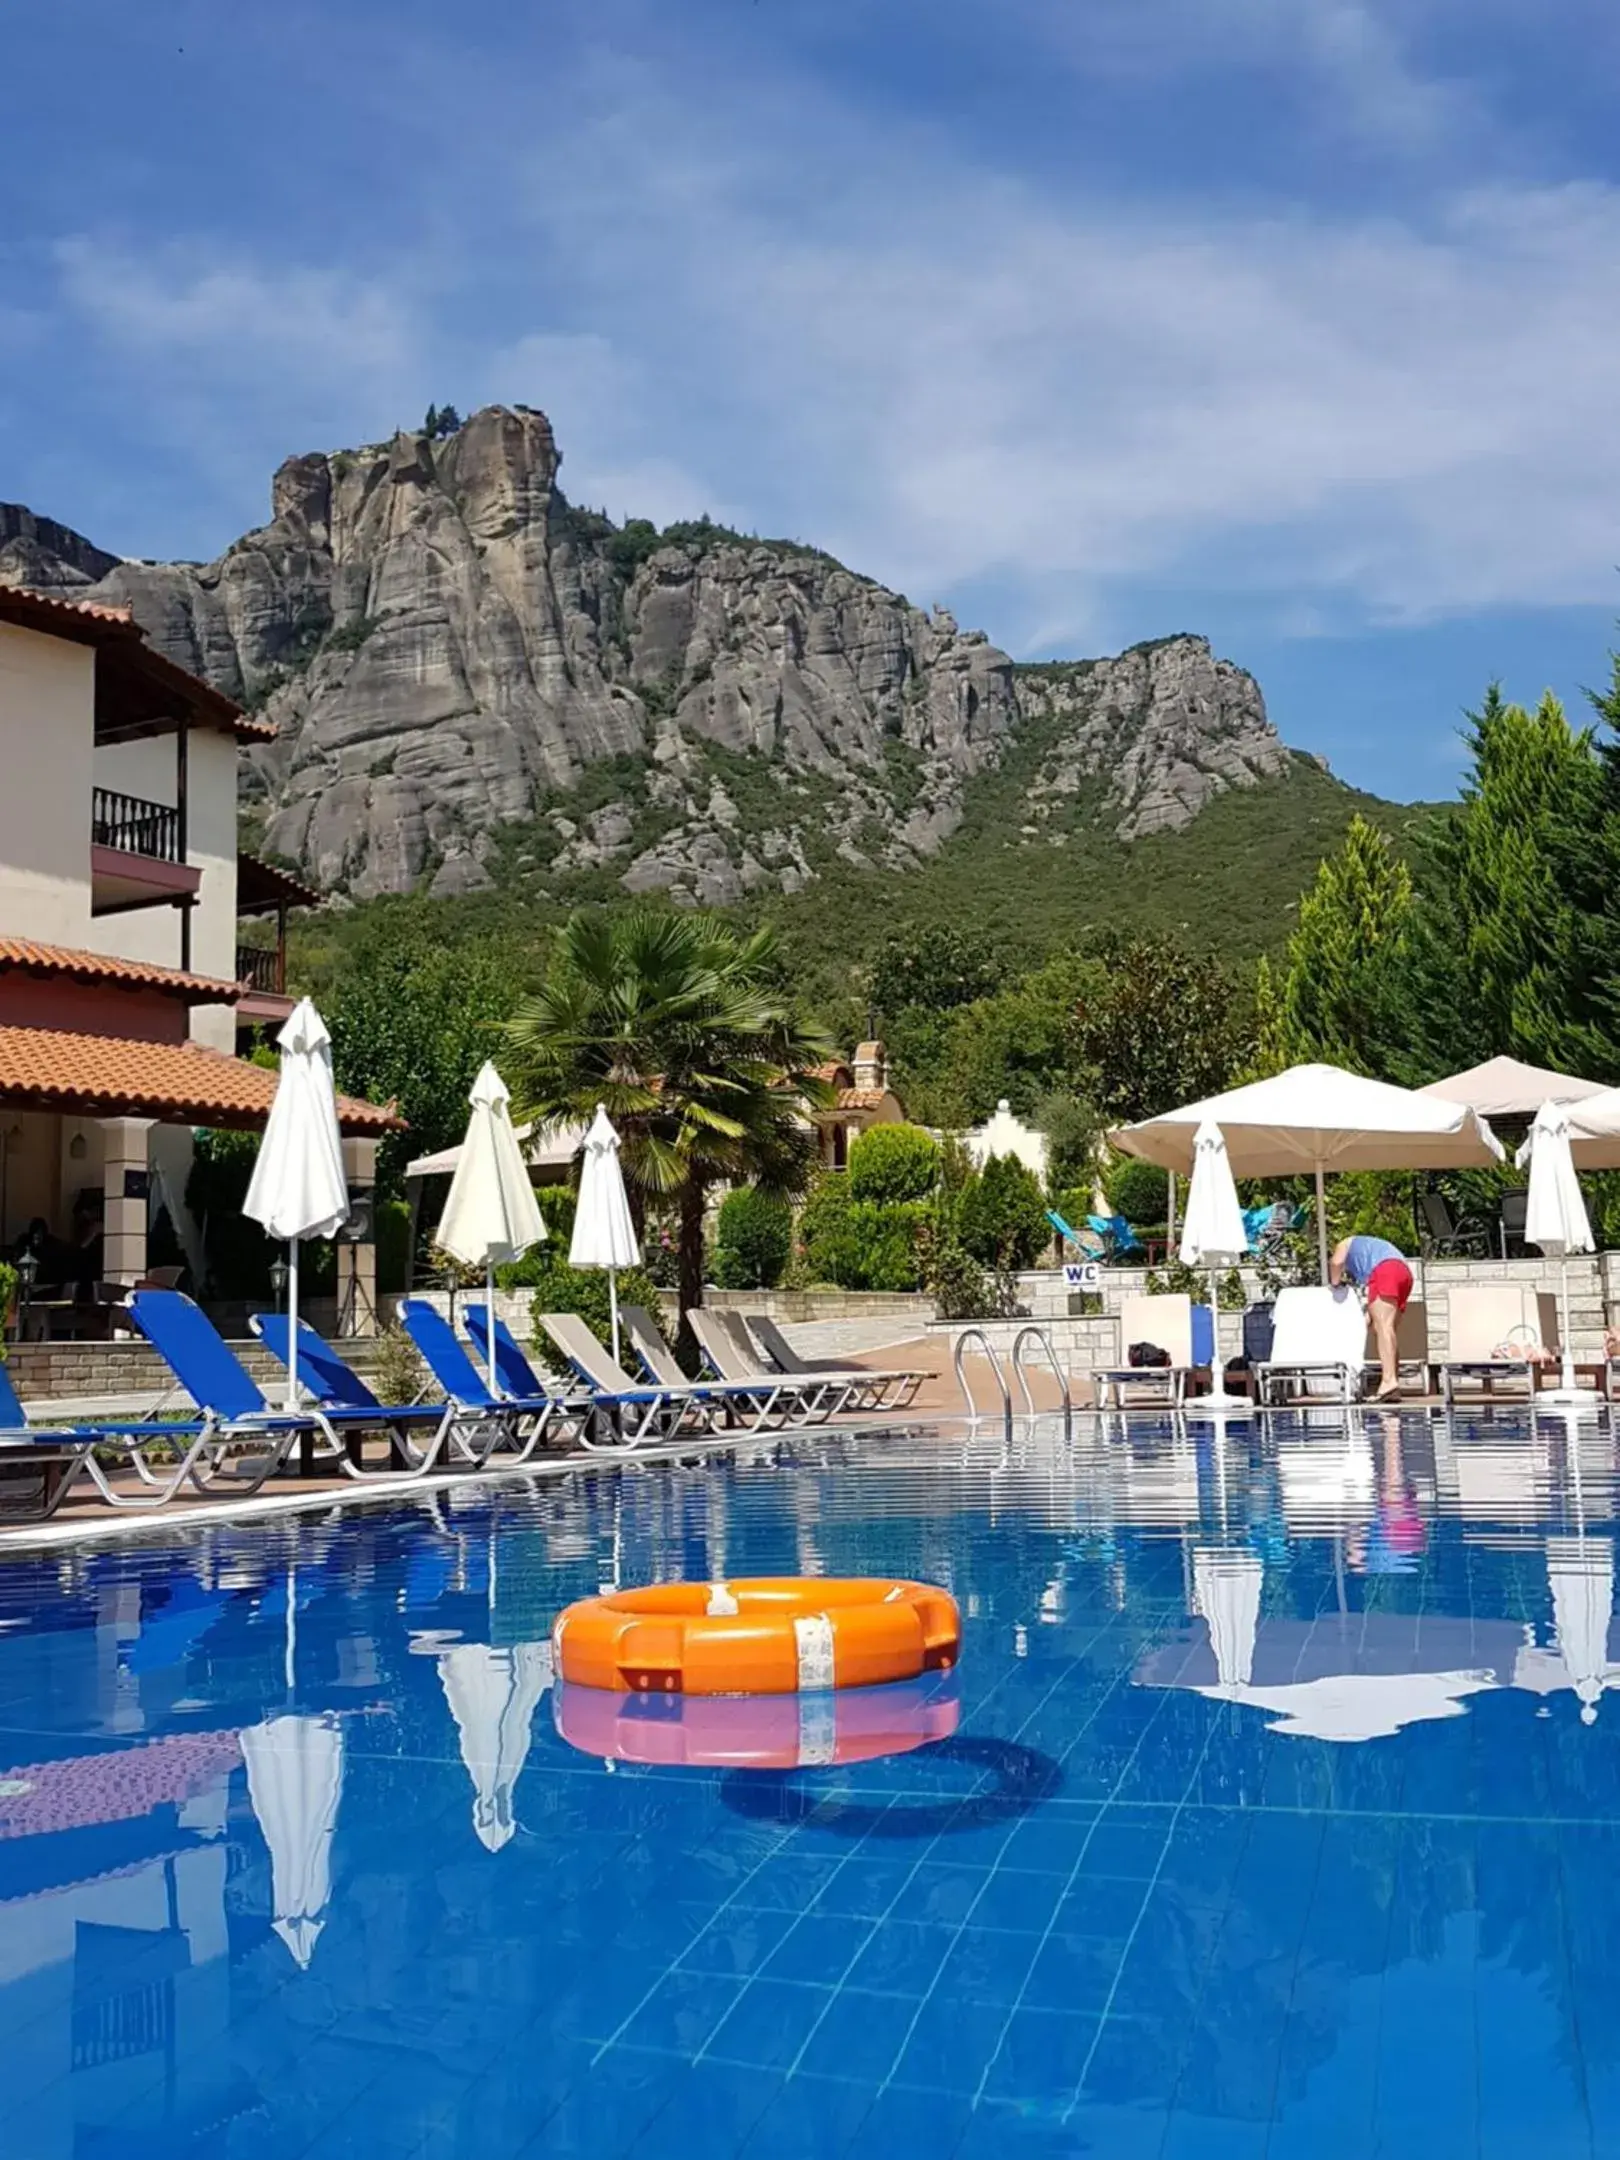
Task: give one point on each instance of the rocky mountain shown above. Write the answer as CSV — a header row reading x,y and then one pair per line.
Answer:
x,y
473,679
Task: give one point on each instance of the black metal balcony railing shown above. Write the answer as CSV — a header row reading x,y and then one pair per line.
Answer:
x,y
262,967
134,826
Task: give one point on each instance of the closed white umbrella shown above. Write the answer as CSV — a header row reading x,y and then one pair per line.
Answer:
x,y
295,1781
299,1188
604,1235
492,1692
1555,1218
1319,1118
1213,1235
491,1216
1580,1575
1226,1591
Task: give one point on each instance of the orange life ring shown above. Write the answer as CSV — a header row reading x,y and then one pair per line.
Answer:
x,y
770,1635
760,1732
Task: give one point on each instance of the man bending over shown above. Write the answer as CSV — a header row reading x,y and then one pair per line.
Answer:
x,y
1379,1271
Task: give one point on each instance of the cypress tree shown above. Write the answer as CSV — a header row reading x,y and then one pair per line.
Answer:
x,y
1342,998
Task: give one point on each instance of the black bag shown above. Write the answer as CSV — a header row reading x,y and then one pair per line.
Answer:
x,y
1147,1353
1259,1333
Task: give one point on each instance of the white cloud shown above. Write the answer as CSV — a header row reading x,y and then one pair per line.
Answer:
x,y
949,377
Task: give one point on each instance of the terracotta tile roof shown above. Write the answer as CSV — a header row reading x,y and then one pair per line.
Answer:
x,y
136,665
30,958
54,603
833,1072
181,1083
852,1098
116,1786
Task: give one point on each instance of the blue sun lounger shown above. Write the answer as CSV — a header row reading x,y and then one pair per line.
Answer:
x,y
528,1410
334,1385
216,1379
162,1454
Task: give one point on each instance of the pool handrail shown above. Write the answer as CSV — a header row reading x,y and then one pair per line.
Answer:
x,y
958,1354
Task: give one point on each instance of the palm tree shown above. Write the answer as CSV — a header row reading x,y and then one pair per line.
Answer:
x,y
682,1029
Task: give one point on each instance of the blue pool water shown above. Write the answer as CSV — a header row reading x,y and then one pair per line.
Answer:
x,y
1275,1811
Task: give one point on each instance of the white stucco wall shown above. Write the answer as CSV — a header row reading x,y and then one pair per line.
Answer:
x,y
147,768
47,725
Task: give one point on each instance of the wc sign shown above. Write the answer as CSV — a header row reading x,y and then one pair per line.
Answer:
x,y
1082,1274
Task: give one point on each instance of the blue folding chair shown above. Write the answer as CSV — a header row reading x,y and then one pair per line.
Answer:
x,y
215,1378
1092,1248
525,1414
1119,1240
333,1384
162,1454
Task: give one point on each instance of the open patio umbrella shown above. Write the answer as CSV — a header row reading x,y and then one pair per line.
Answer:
x,y
1213,1236
295,1781
1317,1118
1503,1087
1580,1575
604,1235
491,1216
1555,1219
299,1188
492,1693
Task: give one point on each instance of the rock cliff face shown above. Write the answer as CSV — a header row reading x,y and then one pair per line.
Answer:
x,y
469,676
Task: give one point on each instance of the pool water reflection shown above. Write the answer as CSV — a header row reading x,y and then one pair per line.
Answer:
x,y
1274,1810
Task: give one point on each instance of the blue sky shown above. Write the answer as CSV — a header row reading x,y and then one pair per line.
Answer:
x,y
1292,321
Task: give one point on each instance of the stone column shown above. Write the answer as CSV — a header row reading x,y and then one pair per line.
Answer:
x,y
126,1184
357,1264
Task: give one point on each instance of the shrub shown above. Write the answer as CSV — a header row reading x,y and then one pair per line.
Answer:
x,y
893,1162
1073,1130
393,1243
560,1288
950,1274
861,1244
1140,1191
1001,1216
753,1240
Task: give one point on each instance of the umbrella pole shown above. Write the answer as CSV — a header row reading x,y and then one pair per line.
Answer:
x,y
613,1308
1321,1223
1217,1398
1566,1391
1170,1219
292,1325
489,1322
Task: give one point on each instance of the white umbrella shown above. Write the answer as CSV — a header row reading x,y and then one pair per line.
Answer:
x,y
1555,1219
604,1235
1226,1592
492,1693
295,1781
1360,1706
1580,1574
491,1215
1213,1235
1504,1087
299,1188
1318,1118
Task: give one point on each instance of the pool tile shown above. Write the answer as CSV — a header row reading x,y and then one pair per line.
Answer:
x,y
903,1957
818,1947
768,2025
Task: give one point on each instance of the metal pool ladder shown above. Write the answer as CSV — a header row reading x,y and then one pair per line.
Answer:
x,y
1026,1338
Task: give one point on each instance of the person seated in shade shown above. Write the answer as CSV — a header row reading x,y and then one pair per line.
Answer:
x,y
1379,1271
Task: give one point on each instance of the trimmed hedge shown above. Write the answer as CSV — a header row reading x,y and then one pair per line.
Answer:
x,y
753,1240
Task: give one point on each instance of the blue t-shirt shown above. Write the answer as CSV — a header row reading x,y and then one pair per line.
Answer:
x,y
1364,1254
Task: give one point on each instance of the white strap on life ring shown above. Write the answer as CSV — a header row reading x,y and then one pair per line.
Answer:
x,y
813,1635
722,1605
818,1730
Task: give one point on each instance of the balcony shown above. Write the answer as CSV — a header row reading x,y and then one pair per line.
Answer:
x,y
137,854
263,968
134,826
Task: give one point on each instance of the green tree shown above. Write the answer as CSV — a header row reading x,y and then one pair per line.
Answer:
x,y
753,1239
1158,1025
1512,941
430,422
1073,1132
1001,1216
1343,994
1138,1190
412,1020
680,1026
894,1162
934,969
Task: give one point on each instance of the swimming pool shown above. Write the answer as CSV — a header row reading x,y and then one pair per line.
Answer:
x,y
1275,1811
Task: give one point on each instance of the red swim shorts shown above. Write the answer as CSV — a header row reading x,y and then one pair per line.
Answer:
x,y
1391,1279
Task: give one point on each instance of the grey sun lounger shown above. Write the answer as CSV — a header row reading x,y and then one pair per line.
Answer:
x,y
641,1414
875,1389
736,1363
763,1393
